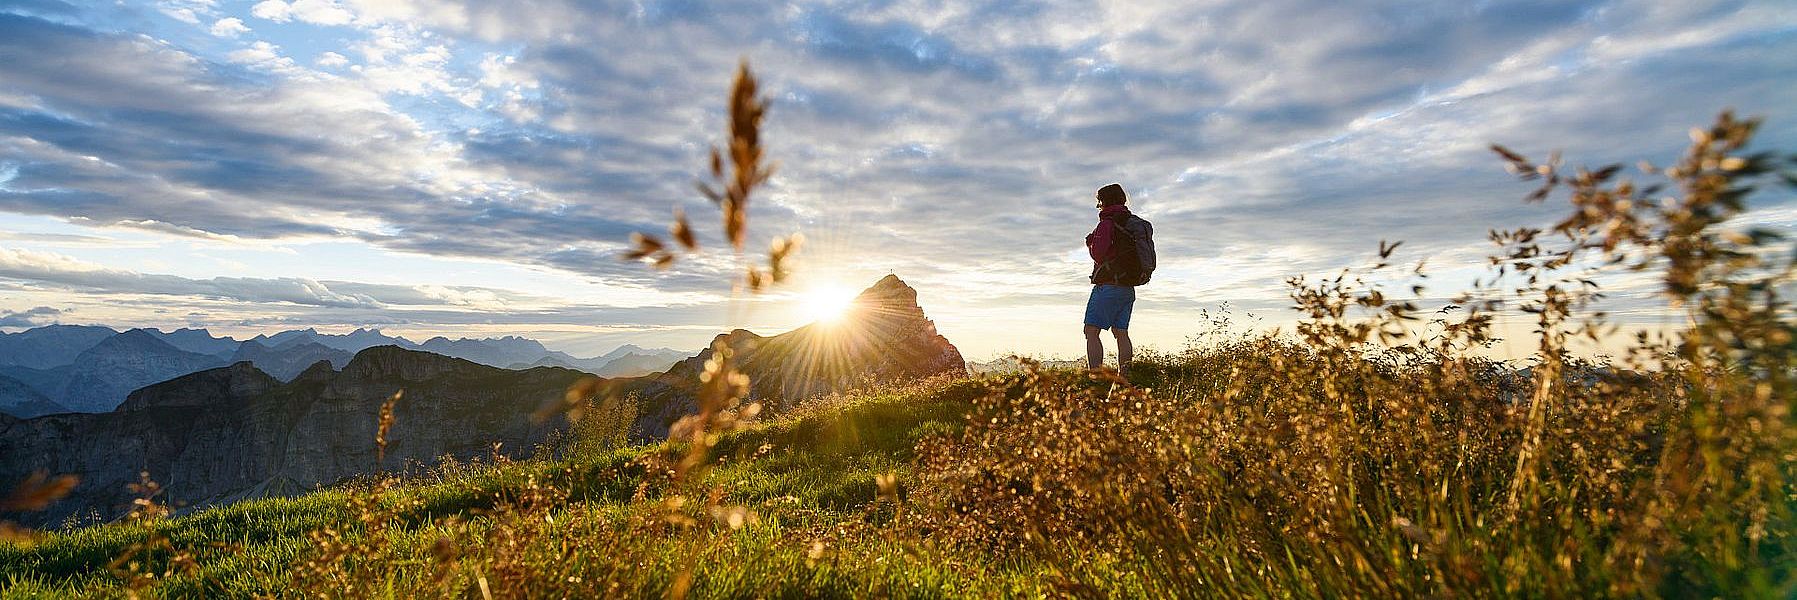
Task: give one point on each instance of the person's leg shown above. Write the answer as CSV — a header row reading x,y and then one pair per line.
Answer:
x,y
1120,328
1094,348
1097,317
1124,350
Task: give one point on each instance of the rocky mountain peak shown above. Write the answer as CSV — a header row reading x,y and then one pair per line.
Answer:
x,y
884,337
320,372
887,296
239,381
393,363
138,339
735,337
889,285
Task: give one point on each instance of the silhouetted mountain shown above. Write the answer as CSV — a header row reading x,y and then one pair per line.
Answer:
x,y
632,364
513,352
197,341
100,378
48,382
290,360
883,337
23,401
629,349
235,432
352,342
209,388
547,361
50,346
494,352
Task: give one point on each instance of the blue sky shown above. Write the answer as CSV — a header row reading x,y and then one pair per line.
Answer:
x,y
475,168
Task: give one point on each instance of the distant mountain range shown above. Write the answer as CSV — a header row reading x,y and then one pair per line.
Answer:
x,y
86,368
233,432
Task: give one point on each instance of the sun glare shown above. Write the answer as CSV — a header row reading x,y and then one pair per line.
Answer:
x,y
827,304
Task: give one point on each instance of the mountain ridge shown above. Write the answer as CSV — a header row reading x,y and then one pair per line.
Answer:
x,y
226,433
48,360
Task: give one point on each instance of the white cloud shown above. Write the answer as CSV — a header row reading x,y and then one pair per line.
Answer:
x,y
273,10
184,15
331,59
30,317
399,59
496,72
263,55
187,11
229,27
72,273
317,12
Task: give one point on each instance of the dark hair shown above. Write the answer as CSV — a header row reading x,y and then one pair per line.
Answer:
x,y
1112,195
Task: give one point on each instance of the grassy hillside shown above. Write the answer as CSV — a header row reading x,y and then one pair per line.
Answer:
x,y
579,525
1045,483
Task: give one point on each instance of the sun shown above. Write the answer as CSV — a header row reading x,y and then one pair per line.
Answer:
x,y
826,303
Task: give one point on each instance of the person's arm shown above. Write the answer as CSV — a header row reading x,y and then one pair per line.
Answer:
x,y
1098,243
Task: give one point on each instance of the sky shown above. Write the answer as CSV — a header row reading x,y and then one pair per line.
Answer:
x,y
475,168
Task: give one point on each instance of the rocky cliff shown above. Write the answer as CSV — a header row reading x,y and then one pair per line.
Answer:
x,y
236,432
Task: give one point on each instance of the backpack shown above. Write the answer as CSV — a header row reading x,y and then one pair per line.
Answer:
x,y
1132,258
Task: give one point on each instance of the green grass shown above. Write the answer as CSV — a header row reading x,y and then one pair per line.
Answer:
x,y
816,477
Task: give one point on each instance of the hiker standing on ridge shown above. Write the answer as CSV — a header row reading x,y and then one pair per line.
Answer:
x,y
1122,248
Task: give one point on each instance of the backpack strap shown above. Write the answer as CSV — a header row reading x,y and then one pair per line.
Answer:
x,y
1120,225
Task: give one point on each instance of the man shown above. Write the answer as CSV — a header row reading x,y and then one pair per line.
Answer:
x,y
1122,249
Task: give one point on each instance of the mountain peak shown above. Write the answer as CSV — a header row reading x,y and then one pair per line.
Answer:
x,y
393,362
889,290
135,338
732,339
321,371
886,337
236,382
890,281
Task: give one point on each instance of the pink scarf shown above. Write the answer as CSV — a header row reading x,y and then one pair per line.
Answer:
x,y
1098,243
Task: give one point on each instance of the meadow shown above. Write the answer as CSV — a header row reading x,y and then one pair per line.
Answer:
x,y
1372,451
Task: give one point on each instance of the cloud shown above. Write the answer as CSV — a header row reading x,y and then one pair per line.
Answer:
x,y
263,55
144,133
955,143
70,273
57,8
273,10
229,27
317,12
31,317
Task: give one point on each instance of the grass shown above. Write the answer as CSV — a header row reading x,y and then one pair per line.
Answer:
x,y
816,477
815,523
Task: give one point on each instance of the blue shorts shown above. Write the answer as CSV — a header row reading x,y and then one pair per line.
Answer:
x,y
1109,306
